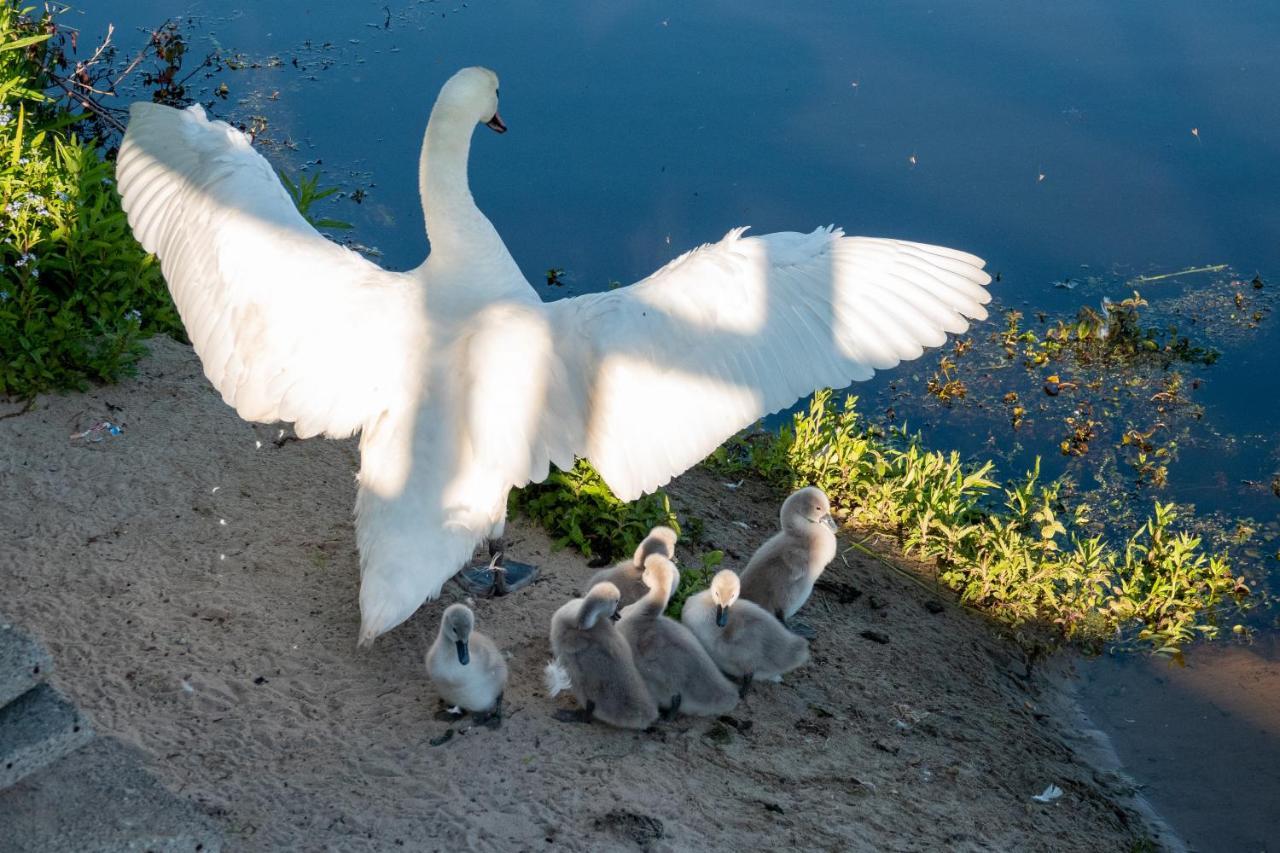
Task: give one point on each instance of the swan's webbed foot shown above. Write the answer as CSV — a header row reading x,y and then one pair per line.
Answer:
x,y
744,686
576,715
669,712
499,576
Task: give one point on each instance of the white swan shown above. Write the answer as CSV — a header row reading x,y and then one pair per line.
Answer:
x,y
461,380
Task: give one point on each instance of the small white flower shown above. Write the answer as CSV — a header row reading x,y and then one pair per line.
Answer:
x,y
4,296
133,314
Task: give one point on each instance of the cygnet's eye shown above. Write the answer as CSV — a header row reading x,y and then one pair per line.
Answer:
x,y
497,93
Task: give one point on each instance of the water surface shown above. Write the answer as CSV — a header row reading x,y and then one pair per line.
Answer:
x,y
1056,142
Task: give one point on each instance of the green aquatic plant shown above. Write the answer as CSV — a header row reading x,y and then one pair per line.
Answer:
x,y
1021,553
306,192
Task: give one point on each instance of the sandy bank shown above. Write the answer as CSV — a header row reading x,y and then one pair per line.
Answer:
x,y
199,594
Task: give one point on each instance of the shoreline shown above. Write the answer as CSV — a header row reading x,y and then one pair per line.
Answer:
x,y
1096,748
197,587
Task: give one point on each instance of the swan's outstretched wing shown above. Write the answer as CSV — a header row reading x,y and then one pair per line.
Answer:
x,y
289,326
664,371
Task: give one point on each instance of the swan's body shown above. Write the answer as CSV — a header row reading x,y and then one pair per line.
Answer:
x,y
628,576
464,664
677,669
602,671
780,575
461,380
744,640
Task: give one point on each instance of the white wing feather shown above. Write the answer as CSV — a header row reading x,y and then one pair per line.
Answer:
x,y
664,371
288,325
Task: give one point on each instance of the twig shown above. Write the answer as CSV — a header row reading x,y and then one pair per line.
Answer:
x,y
1142,279
138,59
81,66
89,103
28,406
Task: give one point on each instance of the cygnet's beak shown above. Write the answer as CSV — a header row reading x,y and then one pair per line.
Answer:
x,y
464,654
496,124
830,522
616,615
722,615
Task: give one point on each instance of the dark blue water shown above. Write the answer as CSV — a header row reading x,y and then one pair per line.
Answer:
x,y
1055,141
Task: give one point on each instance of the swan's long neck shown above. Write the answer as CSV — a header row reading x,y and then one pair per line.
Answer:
x,y
455,226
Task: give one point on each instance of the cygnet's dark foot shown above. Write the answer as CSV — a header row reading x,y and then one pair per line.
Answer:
x,y
499,576
491,719
577,715
744,686
450,715
669,712
800,629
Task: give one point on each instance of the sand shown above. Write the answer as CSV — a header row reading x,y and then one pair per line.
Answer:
x,y
197,585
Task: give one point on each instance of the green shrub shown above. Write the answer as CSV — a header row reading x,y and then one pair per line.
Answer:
x,y
577,509
78,293
694,579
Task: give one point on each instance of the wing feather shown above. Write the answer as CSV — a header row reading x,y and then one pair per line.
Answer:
x,y
661,372
288,325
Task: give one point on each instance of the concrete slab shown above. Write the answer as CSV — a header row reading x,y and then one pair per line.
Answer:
x,y
37,729
101,798
23,663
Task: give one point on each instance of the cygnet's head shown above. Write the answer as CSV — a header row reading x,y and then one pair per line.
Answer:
x,y
660,573
724,592
472,93
601,601
805,508
661,540
456,626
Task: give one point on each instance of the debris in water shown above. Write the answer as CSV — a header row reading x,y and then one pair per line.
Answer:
x,y
1048,795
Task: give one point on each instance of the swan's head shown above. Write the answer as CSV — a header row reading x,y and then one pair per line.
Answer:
x,y
724,592
472,94
660,574
601,601
456,627
661,540
804,509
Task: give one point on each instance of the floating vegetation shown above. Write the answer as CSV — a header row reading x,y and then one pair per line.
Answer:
x,y
305,192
